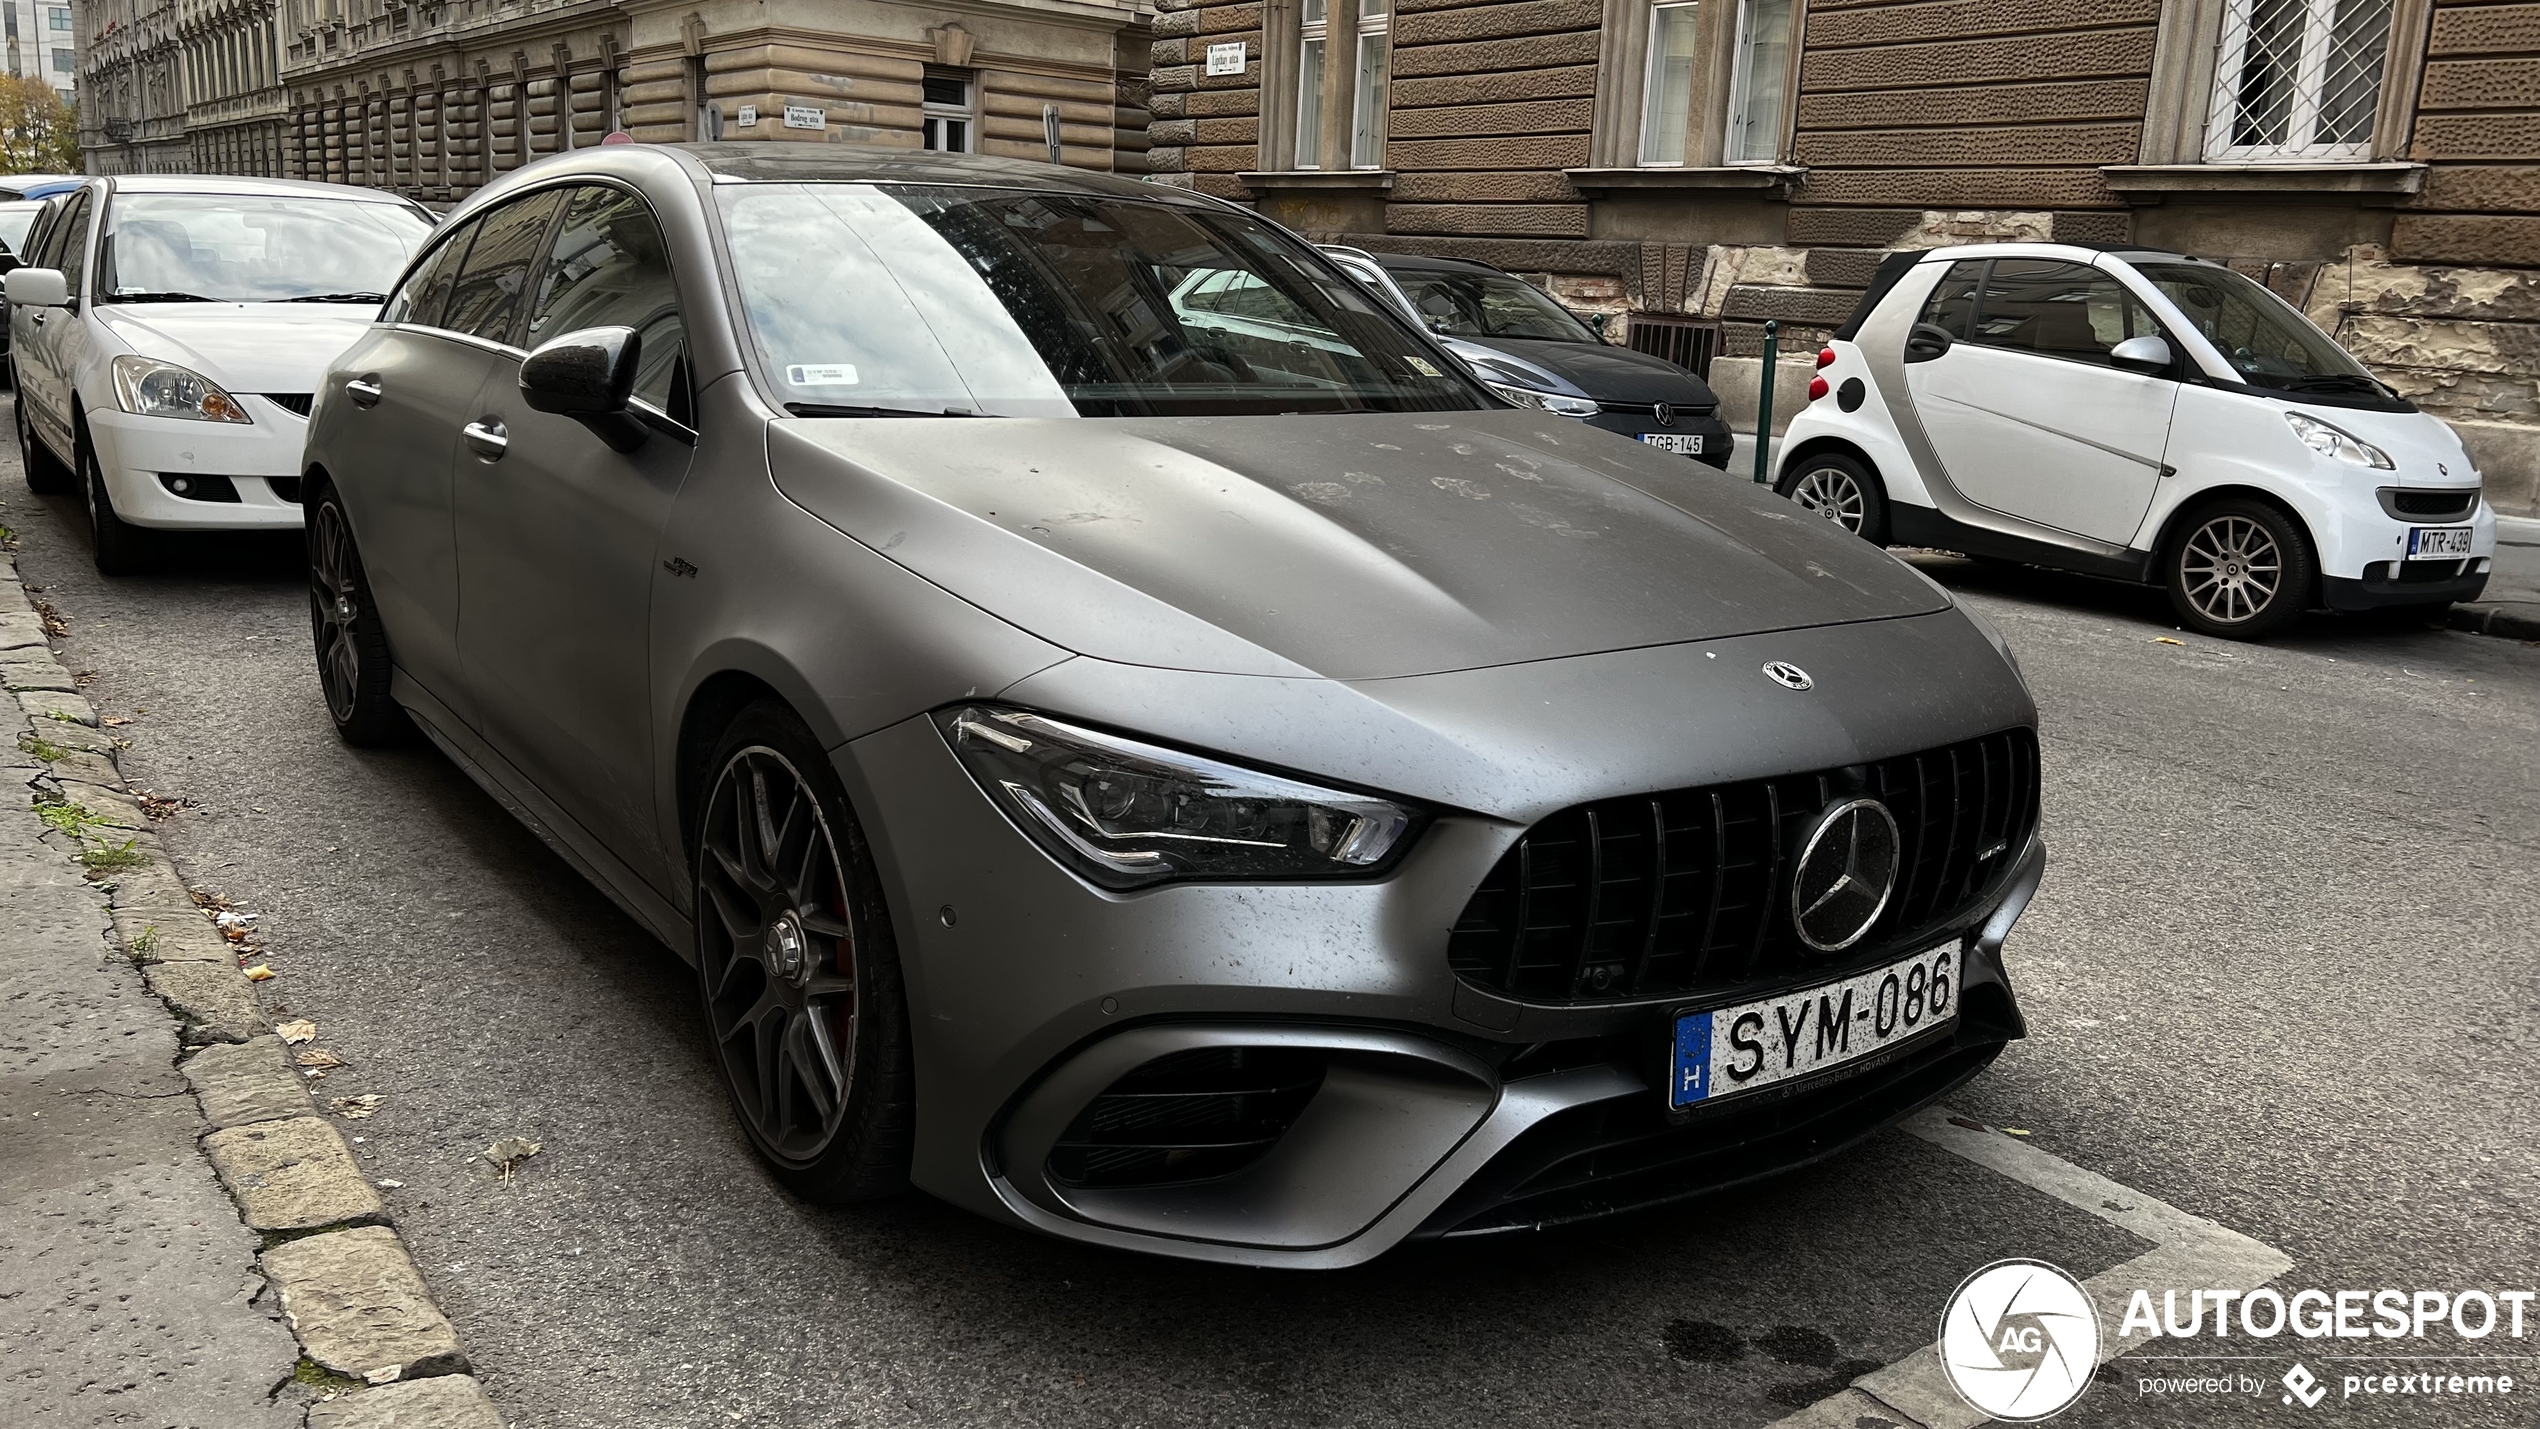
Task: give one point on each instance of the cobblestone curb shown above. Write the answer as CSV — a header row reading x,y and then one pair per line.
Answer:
x,y
2514,620
349,1289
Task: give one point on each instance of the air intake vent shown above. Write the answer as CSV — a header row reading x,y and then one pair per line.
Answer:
x,y
2449,504
296,403
1681,892
1192,1116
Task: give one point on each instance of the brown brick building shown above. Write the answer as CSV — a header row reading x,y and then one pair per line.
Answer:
x,y
1715,163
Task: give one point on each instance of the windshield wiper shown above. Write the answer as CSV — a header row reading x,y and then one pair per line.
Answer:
x,y
823,409
2334,382
337,298
161,298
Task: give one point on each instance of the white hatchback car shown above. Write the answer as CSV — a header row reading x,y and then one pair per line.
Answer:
x,y
167,334
2135,414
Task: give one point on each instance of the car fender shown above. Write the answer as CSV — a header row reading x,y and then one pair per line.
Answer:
x,y
2221,441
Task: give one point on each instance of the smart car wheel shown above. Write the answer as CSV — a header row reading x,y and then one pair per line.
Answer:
x,y
123,549
2240,570
1843,491
796,967
45,474
352,649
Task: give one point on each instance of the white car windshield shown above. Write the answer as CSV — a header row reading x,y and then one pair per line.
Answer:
x,y
904,299
2263,338
235,248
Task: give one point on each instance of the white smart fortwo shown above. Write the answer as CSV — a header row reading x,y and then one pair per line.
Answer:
x,y
167,333
2136,414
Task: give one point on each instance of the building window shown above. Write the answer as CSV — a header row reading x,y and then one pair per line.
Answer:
x,y
58,16
66,61
2297,80
1363,67
1758,89
1708,83
949,111
1666,105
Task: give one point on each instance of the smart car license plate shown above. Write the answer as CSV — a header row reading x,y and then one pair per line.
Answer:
x,y
1730,1051
2437,543
1681,443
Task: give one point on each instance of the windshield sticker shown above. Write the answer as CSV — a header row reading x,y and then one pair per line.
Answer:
x,y
821,374
1421,366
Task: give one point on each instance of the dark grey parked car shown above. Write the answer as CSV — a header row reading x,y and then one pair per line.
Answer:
x,y
1134,741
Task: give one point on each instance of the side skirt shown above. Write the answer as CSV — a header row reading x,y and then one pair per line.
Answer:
x,y
555,828
1922,526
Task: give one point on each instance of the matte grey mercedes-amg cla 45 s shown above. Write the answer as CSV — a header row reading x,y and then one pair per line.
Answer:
x,y
1135,739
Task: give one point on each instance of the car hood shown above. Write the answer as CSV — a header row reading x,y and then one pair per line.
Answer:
x,y
245,347
1358,546
1608,374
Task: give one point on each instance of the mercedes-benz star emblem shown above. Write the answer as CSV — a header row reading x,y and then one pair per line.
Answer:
x,y
1788,676
1666,415
1845,874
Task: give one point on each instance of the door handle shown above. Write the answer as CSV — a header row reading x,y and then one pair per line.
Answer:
x,y
365,391
1925,341
38,316
489,439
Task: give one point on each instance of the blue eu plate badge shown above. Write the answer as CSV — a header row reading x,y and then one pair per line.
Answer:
x,y
1689,1078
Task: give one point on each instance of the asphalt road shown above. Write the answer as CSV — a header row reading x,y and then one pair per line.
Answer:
x,y
2283,975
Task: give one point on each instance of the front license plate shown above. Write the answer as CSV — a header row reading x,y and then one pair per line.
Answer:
x,y
2437,543
1729,1051
1680,443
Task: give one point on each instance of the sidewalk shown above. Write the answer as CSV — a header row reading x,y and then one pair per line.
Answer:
x,y
2511,604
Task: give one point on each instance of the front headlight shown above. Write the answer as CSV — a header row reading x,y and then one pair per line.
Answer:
x,y
1546,401
147,387
1127,815
2320,437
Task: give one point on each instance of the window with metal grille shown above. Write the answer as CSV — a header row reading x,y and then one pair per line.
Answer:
x,y
2297,80
1689,345
949,111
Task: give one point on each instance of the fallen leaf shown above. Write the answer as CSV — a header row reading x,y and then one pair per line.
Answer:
x,y
389,1184
260,973
508,1153
297,1032
2014,1131
318,1057
2165,640
114,721
385,1374
357,1108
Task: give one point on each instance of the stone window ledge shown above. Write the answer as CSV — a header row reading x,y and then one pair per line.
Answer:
x,y
1365,179
2151,183
1776,180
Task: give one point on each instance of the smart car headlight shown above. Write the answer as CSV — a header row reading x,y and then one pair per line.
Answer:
x,y
1552,402
2320,437
147,387
1127,814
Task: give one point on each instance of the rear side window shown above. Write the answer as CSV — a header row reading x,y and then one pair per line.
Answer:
x,y
1952,305
609,268
493,283
2057,309
73,257
424,295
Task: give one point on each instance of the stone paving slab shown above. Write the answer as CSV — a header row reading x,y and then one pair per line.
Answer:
x,y
361,1308
216,1001
242,1083
453,1401
293,1175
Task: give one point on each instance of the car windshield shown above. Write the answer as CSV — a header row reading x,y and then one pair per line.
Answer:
x,y
1487,305
2263,337
238,248
920,299
15,220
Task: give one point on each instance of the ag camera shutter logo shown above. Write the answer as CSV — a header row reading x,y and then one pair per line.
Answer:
x,y
2019,1341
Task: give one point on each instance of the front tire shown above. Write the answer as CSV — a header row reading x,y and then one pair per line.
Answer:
x,y
45,474
352,647
1842,489
797,970
2240,570
123,549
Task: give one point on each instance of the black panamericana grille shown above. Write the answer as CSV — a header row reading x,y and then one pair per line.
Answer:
x,y
2453,504
1191,1116
1683,891
296,403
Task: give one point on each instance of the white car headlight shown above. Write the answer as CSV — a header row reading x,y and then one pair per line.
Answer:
x,y
1127,814
147,387
1552,402
2320,437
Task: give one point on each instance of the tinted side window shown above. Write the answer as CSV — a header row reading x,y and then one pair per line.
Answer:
x,y
610,268
43,240
73,260
493,283
421,298
1952,305
2057,309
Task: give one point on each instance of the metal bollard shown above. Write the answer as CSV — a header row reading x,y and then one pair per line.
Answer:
x,y
1764,400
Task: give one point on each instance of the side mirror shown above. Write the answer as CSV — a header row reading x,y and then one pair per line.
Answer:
x,y
1926,342
588,376
38,288
2148,355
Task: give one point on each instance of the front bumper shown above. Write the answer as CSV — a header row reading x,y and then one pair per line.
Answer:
x,y
1439,1111
1626,422
135,453
2389,583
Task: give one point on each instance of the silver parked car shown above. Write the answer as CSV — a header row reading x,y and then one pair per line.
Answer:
x,y
1191,775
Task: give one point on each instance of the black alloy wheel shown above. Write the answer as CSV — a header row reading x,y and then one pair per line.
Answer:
x,y
122,548
352,649
796,968
1842,490
45,474
2240,570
